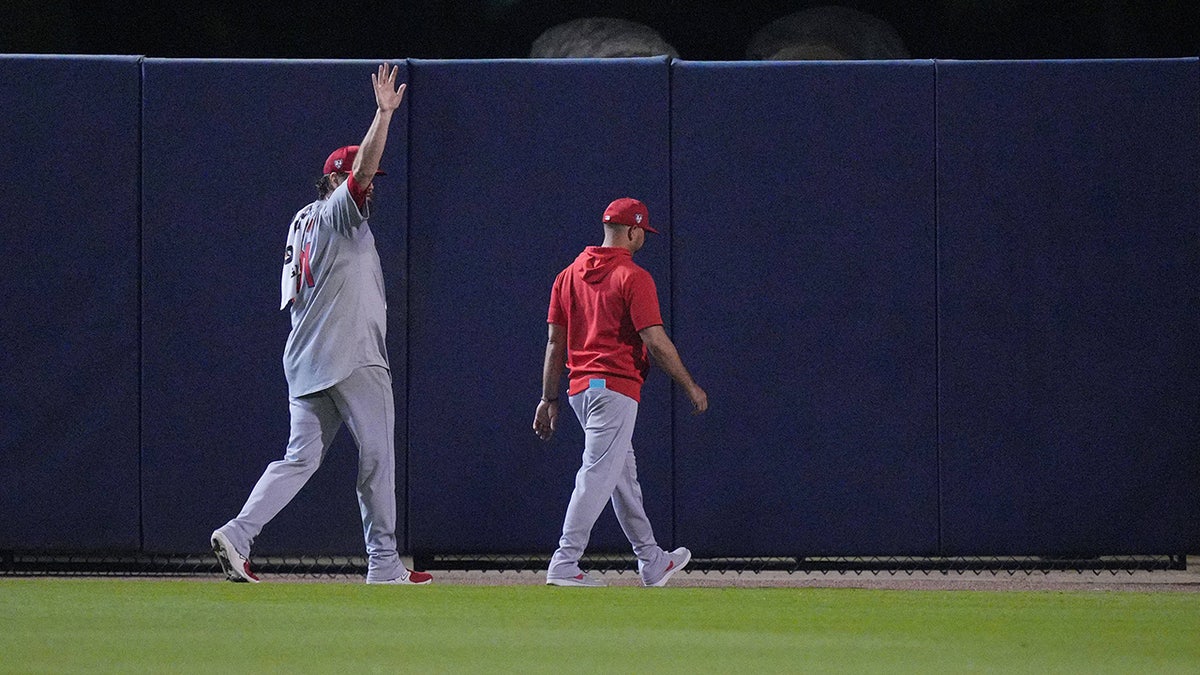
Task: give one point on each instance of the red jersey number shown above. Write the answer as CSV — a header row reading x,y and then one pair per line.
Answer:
x,y
306,275
305,268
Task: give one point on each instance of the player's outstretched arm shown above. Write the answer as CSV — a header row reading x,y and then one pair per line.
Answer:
x,y
388,97
667,357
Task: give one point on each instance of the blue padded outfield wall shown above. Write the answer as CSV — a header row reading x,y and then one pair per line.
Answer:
x,y
804,297
69,402
1068,205
940,308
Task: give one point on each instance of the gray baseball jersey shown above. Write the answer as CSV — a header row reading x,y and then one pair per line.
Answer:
x,y
334,281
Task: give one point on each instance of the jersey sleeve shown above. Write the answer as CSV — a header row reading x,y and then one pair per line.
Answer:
x,y
344,212
643,300
557,313
357,192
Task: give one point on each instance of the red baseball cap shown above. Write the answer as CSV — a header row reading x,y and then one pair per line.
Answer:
x,y
342,161
628,211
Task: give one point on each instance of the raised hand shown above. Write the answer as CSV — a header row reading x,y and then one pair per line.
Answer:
x,y
387,95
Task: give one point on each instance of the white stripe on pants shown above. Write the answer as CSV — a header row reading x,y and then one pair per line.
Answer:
x,y
364,402
608,471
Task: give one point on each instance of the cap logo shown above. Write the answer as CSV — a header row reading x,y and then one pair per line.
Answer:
x,y
607,217
638,217
337,163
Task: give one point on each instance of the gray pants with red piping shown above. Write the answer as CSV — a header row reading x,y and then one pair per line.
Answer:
x,y
364,402
608,471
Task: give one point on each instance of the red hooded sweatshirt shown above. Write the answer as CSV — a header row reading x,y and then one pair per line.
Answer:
x,y
603,299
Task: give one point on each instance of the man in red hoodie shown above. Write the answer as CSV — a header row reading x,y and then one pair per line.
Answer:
x,y
604,319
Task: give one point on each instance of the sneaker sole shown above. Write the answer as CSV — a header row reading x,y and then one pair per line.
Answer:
x,y
671,572
573,583
220,546
393,582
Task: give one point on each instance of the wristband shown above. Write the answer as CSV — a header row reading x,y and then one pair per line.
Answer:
x,y
549,400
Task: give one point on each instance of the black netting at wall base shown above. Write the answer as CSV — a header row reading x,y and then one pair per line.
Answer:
x,y
16,563
125,564
869,564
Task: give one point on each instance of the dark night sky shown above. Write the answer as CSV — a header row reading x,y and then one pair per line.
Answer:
x,y
952,29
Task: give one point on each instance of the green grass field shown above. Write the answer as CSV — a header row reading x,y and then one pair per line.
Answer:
x,y
95,625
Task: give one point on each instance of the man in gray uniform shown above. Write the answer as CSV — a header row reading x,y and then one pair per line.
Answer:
x,y
335,358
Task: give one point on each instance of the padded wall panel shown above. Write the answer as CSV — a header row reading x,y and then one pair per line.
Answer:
x,y
513,165
69,399
804,301
1068,195
232,151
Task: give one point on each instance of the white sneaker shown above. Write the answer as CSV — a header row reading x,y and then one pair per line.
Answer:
x,y
235,565
580,579
680,557
409,578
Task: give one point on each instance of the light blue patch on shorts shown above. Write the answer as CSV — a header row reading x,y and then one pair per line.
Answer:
x,y
597,383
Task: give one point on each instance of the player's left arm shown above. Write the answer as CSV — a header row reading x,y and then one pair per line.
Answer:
x,y
667,357
647,319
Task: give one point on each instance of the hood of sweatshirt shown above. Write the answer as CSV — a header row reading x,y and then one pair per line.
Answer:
x,y
596,262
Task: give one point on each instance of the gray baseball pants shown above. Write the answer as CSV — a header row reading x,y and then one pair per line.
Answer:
x,y
364,402
608,471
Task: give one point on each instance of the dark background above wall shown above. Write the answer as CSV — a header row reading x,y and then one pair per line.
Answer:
x,y
944,29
